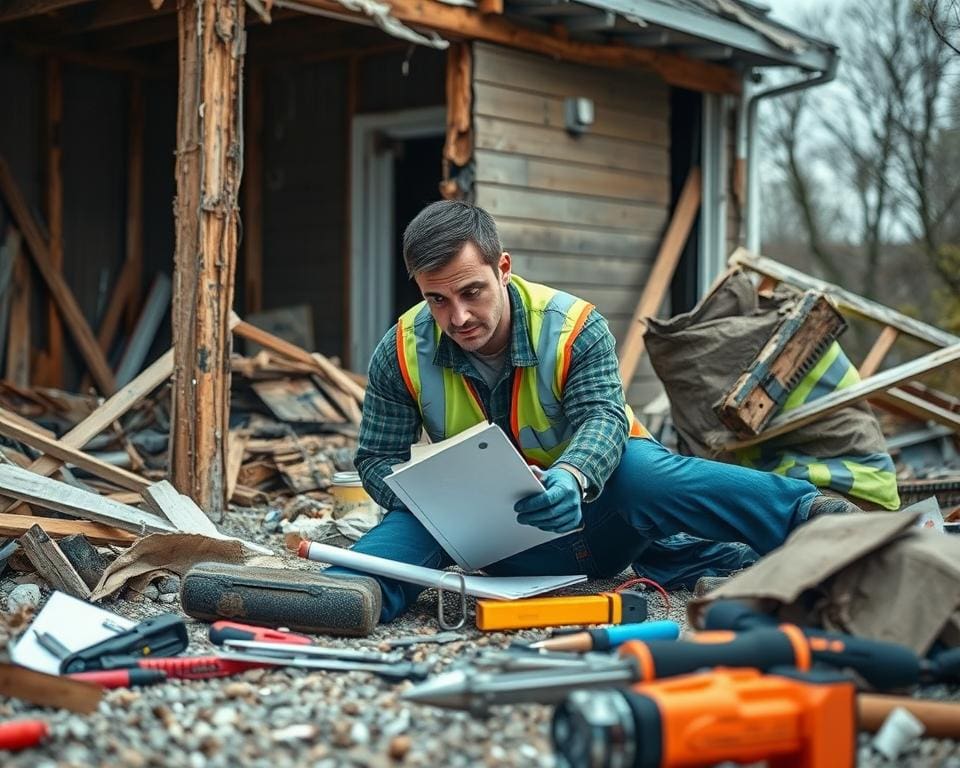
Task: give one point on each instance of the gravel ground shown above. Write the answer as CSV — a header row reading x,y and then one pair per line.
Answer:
x,y
291,717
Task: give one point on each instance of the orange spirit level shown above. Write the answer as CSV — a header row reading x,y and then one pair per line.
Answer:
x,y
606,608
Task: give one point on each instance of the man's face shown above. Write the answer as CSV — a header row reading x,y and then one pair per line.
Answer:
x,y
469,301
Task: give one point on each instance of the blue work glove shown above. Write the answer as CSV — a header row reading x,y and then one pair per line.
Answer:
x,y
557,508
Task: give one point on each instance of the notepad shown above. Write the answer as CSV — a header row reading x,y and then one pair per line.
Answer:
x,y
463,490
77,624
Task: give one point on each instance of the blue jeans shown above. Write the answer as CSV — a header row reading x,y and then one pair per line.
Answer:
x,y
652,497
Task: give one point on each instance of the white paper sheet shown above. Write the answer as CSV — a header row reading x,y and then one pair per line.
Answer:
x,y
463,490
495,587
75,623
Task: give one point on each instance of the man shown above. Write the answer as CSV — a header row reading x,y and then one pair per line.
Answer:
x,y
487,345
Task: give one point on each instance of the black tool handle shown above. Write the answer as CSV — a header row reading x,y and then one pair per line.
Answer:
x,y
885,666
760,649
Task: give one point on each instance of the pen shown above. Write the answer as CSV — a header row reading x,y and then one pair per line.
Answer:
x,y
49,643
605,639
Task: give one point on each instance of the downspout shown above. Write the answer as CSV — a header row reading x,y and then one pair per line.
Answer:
x,y
753,103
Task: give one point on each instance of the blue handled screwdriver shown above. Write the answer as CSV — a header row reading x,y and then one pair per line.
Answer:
x,y
611,637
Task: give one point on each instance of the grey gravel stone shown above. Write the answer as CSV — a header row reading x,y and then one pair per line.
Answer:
x,y
168,585
23,595
275,718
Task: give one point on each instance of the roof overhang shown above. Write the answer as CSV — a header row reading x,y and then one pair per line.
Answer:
x,y
685,26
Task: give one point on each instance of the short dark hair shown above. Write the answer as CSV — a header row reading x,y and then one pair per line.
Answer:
x,y
439,232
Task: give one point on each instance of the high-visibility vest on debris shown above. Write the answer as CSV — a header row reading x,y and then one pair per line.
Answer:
x,y
448,403
871,477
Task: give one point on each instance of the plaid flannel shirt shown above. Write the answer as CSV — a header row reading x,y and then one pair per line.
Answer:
x,y
592,401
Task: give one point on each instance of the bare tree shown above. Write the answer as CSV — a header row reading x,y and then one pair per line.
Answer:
x,y
944,18
883,134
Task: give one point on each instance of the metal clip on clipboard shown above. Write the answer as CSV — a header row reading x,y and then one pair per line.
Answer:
x,y
463,601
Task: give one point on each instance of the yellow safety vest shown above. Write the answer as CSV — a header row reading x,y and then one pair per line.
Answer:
x,y
871,477
449,404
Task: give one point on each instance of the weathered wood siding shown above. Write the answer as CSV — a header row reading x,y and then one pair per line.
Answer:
x,y
585,213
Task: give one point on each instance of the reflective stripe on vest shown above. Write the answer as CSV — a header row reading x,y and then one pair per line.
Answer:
x,y
448,403
871,477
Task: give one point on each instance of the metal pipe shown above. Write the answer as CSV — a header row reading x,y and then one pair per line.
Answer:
x,y
753,103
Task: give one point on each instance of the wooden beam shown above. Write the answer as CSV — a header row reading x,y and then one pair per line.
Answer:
x,y
53,130
465,23
235,452
18,328
60,497
122,401
209,154
845,299
72,314
458,148
11,10
98,533
874,359
253,193
52,564
134,229
45,690
658,281
902,401
10,428
833,402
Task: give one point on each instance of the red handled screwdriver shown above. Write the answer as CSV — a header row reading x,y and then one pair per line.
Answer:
x,y
221,631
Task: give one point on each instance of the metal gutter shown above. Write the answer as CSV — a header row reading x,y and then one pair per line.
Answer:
x,y
752,105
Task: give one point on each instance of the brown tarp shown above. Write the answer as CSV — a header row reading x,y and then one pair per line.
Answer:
x,y
875,576
700,354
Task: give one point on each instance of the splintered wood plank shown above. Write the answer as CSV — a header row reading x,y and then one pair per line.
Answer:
x,y
51,494
98,533
18,337
54,213
183,512
875,357
111,410
118,475
169,503
347,405
52,564
45,690
296,400
236,448
286,349
66,302
845,299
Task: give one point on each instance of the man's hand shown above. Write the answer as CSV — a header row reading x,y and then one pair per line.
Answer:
x,y
557,508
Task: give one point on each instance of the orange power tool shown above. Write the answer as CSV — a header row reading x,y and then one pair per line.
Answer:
x,y
802,721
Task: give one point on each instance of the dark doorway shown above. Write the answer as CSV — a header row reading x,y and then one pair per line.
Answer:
x,y
416,183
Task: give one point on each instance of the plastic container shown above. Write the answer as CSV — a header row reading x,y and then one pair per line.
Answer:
x,y
349,495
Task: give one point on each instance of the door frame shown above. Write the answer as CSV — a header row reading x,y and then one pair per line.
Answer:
x,y
372,220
